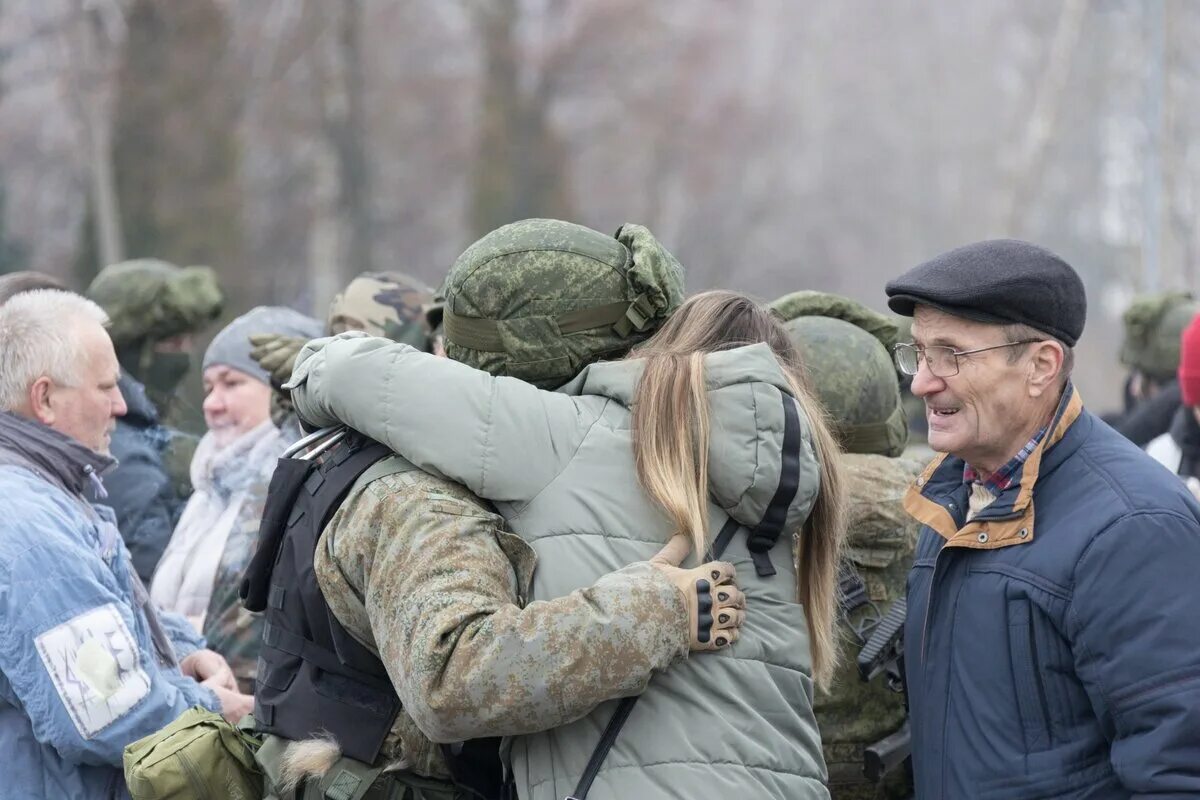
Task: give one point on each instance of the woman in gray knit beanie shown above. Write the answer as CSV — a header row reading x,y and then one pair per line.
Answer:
x,y
202,566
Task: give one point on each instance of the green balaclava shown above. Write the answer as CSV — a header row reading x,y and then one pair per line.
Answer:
x,y
148,300
844,347
1153,327
541,299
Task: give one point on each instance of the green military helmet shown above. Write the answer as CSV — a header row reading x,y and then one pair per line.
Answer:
x,y
1153,326
808,303
147,301
387,304
540,299
853,376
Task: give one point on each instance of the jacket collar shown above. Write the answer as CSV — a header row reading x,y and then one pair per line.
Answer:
x,y
1009,519
54,456
140,411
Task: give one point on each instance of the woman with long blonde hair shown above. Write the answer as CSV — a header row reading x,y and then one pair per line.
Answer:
x,y
705,433
672,432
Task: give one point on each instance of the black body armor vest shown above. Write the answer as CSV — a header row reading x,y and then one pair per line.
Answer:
x,y
313,676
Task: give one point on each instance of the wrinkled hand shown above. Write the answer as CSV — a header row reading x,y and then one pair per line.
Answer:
x,y
210,669
716,607
276,354
234,704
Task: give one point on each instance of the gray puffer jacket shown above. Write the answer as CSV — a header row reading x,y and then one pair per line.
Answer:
x,y
560,467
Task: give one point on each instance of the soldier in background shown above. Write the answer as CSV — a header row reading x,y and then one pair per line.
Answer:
x,y
1153,325
842,345
155,308
388,304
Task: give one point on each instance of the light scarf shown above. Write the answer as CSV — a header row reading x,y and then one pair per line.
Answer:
x,y
222,478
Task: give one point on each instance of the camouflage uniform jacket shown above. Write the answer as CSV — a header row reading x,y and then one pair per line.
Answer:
x,y
880,543
422,573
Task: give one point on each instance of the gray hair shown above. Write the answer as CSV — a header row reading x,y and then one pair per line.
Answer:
x,y
36,339
1022,333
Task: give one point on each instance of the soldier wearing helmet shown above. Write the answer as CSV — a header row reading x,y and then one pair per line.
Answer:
x,y
387,304
583,450
428,572
845,351
155,308
1150,350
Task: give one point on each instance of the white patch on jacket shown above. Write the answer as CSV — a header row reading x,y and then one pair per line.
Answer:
x,y
93,661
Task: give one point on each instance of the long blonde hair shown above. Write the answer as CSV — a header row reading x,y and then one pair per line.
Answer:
x,y
671,434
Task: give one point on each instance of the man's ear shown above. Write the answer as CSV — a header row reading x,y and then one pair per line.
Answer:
x,y
1045,365
40,407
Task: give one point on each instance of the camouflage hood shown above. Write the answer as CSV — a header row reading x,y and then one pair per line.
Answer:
x,y
540,299
148,299
843,346
1153,326
387,304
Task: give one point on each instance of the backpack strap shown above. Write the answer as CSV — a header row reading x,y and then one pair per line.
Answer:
x,y
764,536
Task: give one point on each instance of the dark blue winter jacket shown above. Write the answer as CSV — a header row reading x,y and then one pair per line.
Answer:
x,y
1052,647
146,499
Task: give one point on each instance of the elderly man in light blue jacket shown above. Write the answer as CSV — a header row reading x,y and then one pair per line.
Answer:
x,y
86,665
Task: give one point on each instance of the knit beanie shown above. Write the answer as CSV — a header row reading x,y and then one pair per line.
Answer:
x,y
231,347
1189,363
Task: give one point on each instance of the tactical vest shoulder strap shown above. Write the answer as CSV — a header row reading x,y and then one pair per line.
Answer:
x,y
391,465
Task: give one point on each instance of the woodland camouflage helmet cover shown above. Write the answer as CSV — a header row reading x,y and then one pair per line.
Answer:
x,y
1153,326
541,299
387,304
149,300
844,349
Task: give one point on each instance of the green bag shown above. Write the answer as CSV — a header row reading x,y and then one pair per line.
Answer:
x,y
199,755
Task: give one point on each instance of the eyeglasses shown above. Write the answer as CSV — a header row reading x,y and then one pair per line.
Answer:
x,y
942,361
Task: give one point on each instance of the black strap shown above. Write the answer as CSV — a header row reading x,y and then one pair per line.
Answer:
x,y
625,707
767,532
315,654
607,740
759,542
723,539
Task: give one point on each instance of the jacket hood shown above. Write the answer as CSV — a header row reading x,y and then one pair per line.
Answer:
x,y
748,395
54,456
140,411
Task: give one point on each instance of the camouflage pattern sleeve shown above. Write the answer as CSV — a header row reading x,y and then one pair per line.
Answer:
x,y
442,594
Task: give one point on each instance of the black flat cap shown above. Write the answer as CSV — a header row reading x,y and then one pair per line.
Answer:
x,y
1002,281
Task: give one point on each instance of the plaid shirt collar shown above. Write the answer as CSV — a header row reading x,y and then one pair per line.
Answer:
x,y
1002,478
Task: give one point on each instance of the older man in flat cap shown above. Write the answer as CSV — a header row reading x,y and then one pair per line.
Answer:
x,y
1051,647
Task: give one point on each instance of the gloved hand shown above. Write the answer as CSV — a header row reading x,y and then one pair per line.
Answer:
x,y
716,607
276,354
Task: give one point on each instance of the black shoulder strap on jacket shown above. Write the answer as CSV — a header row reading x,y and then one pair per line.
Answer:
x,y
767,532
759,542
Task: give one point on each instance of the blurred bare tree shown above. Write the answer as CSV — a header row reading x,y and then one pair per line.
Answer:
x,y
772,144
175,146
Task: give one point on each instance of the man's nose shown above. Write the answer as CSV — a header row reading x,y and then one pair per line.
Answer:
x,y
119,407
925,382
